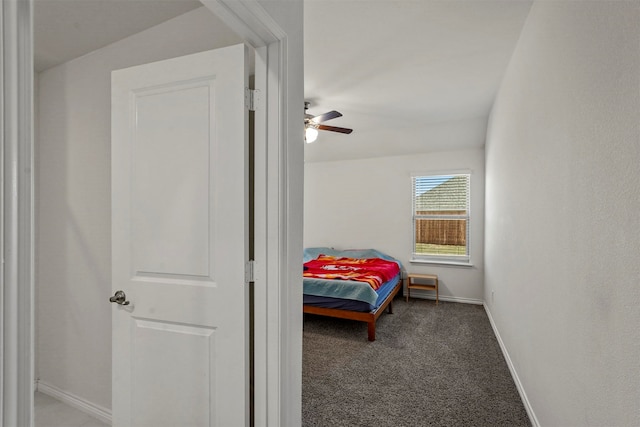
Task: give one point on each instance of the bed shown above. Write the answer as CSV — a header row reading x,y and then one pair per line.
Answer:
x,y
330,288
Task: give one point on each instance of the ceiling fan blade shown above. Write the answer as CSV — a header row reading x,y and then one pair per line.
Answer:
x,y
326,116
335,129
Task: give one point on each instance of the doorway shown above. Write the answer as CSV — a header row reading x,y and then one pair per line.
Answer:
x,y
275,271
73,245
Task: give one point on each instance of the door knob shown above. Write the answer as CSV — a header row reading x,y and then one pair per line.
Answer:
x,y
120,298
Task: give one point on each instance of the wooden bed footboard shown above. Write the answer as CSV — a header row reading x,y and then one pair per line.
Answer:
x,y
369,317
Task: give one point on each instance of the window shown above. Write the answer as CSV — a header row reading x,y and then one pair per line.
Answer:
x,y
441,218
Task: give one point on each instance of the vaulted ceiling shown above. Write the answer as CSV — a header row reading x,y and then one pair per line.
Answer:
x,y
66,29
408,76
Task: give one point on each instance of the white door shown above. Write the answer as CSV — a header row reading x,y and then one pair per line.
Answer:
x,y
179,239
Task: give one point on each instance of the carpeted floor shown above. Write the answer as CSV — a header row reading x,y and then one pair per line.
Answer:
x,y
431,365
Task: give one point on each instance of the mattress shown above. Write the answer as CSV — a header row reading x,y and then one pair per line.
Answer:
x,y
351,304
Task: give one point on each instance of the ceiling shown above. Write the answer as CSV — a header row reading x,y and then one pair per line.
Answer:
x,y
409,76
67,29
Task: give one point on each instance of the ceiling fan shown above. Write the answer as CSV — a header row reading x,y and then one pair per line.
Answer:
x,y
314,123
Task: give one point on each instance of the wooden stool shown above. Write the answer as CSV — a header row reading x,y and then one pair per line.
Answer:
x,y
422,277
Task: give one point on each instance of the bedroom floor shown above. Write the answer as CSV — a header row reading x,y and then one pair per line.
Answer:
x,y
50,412
431,365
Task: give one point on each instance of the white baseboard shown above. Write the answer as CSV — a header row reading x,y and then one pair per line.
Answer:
x,y
417,293
72,400
512,369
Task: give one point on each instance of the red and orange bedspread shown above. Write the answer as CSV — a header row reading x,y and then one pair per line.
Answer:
x,y
374,271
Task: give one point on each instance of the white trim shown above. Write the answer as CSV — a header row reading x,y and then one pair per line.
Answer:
x,y
460,260
89,408
16,128
512,369
441,262
277,379
430,295
248,19
260,250
443,172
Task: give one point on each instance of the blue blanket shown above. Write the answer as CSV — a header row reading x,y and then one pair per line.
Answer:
x,y
352,290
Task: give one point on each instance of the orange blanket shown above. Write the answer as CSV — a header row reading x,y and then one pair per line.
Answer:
x,y
374,271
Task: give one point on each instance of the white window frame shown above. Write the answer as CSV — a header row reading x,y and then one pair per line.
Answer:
x,y
463,260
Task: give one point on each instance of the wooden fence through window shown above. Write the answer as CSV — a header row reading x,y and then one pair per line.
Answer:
x,y
441,231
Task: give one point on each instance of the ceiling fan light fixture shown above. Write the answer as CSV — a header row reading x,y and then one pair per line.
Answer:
x,y
312,124
310,134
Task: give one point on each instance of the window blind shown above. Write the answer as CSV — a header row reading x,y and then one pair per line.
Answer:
x,y
441,205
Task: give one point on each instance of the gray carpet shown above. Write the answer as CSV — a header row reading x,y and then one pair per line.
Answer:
x,y
431,365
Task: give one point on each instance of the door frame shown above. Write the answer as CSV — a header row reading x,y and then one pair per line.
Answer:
x,y
16,214
278,241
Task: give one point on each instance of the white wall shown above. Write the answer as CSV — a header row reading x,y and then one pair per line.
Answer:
x,y
562,213
367,204
73,248
395,139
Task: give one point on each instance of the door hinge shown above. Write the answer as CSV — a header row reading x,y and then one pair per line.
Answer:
x,y
251,98
249,269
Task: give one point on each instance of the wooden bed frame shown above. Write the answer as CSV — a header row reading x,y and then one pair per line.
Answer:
x,y
370,317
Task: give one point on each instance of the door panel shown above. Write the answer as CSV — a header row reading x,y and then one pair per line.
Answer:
x,y
179,228
171,188
185,380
